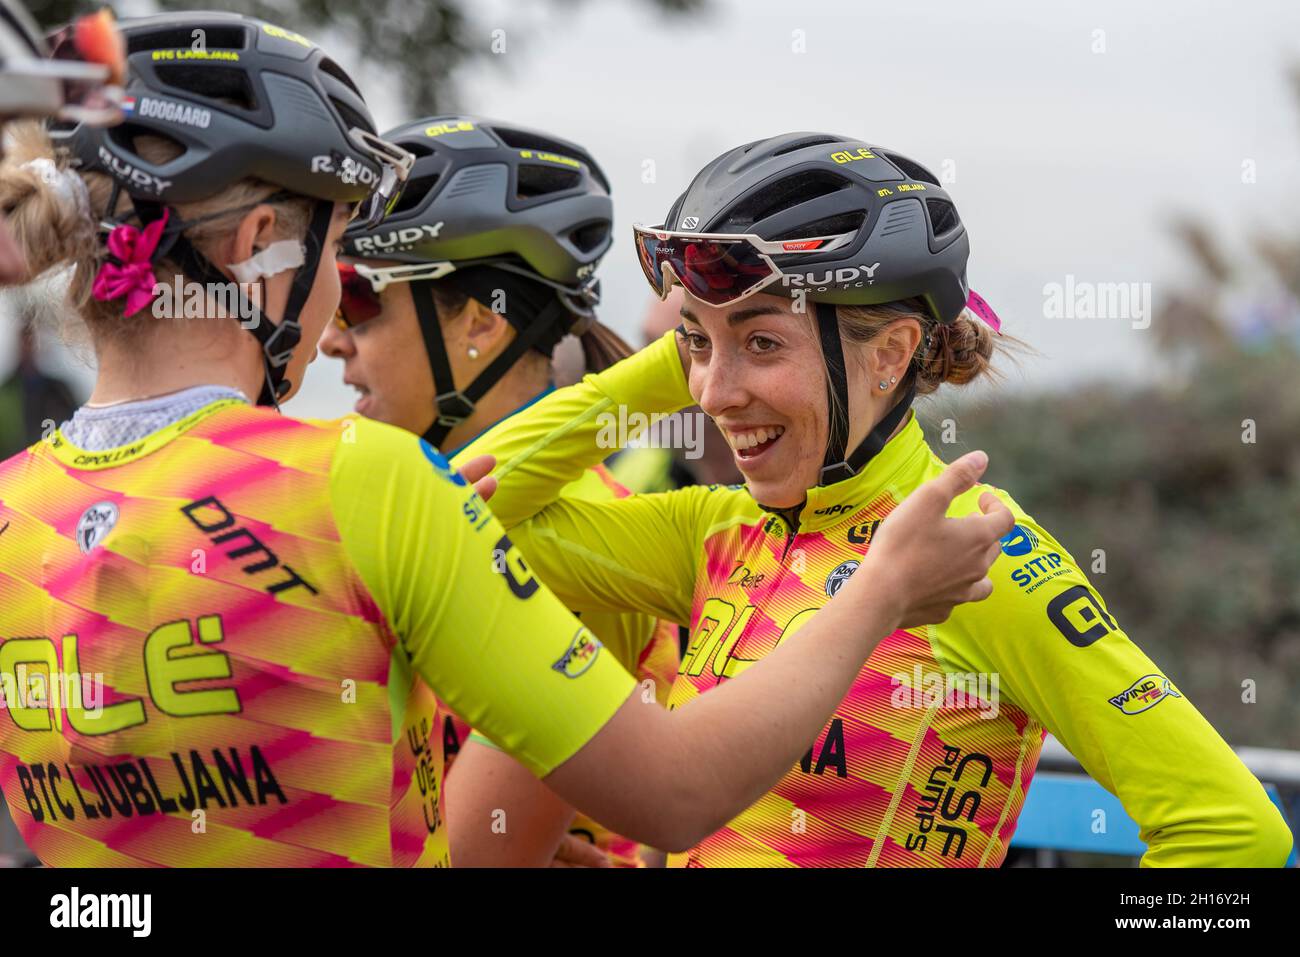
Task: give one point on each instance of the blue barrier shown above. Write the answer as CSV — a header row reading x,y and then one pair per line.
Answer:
x,y
1060,813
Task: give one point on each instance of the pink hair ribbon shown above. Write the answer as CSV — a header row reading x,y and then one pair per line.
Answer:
x,y
976,304
132,275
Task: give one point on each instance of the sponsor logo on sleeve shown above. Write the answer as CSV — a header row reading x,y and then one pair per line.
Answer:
x,y
1019,541
1079,617
580,655
1144,694
440,464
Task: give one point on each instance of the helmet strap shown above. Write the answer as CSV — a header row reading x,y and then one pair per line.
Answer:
x,y
453,406
278,340
837,466
837,395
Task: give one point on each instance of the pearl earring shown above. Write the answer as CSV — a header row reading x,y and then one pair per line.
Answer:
x,y
473,353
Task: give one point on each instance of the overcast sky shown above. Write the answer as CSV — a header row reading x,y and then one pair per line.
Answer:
x,y
1076,132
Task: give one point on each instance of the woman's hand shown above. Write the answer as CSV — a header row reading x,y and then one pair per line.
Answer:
x,y
476,470
575,852
921,563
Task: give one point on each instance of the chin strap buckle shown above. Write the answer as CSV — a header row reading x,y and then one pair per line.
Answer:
x,y
453,408
279,345
836,473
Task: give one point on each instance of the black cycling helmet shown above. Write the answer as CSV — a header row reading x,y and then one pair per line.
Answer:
x,y
490,206
904,237
822,218
241,98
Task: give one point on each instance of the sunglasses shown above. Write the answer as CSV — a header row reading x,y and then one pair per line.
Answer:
x,y
719,268
395,168
362,285
88,59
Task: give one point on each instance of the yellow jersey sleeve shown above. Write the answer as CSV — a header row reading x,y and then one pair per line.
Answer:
x,y
467,610
546,446
631,554
1059,653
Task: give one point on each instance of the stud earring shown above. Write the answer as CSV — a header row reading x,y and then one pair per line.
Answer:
x,y
473,353
883,385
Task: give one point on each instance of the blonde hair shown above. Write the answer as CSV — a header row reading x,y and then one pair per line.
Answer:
x,y
53,233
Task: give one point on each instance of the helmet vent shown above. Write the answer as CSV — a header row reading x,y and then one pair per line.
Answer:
x,y
125,136
534,180
211,82
781,195
804,144
416,190
220,37
416,148
943,215
523,140
351,118
910,169
590,236
333,69
829,226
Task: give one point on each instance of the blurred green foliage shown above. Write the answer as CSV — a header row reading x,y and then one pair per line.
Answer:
x,y
1200,530
421,43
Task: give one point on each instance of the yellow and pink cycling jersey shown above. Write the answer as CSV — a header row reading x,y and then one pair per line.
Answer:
x,y
927,759
645,647
259,611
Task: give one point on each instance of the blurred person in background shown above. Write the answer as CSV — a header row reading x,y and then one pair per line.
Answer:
x,y
451,312
32,402
656,463
80,82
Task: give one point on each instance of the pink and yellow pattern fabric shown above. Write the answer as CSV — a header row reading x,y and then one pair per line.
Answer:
x,y
904,774
258,609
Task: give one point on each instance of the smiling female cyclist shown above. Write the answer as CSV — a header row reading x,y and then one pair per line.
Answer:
x,y
825,284
451,310
223,628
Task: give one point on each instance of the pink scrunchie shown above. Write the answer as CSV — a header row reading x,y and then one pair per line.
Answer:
x,y
134,278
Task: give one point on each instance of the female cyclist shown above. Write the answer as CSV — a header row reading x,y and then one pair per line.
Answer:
x,y
222,628
451,310
825,283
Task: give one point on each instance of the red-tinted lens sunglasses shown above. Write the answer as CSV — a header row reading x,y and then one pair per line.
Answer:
x,y
359,303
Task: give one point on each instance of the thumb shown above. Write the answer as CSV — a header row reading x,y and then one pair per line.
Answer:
x,y
960,475
486,486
